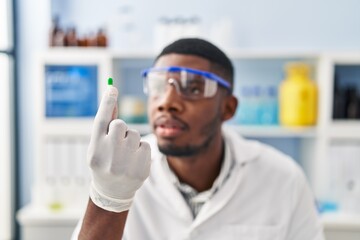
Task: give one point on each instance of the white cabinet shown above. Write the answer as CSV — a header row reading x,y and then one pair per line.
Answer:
x,y
40,223
310,145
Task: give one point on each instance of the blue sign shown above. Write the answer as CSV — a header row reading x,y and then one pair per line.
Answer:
x,y
71,90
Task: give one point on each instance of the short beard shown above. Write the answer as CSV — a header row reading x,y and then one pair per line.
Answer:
x,y
209,131
186,151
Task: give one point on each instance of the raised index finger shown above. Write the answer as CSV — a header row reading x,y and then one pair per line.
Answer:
x,y
105,112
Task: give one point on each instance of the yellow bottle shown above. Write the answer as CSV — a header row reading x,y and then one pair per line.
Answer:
x,y
297,96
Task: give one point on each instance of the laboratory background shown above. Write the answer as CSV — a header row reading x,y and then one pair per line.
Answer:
x,y
297,77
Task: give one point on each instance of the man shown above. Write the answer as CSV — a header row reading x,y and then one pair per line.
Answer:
x,y
206,182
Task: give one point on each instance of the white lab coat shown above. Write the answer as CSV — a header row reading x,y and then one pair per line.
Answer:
x,y
266,197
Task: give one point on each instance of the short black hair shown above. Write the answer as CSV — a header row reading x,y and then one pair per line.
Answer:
x,y
220,62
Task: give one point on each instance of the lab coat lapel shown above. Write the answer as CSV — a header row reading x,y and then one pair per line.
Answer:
x,y
169,195
242,152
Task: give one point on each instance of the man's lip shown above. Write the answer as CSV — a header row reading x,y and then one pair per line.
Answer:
x,y
170,122
169,127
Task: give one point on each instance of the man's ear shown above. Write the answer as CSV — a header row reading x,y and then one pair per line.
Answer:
x,y
229,108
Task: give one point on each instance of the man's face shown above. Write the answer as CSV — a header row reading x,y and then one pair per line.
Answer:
x,y
184,127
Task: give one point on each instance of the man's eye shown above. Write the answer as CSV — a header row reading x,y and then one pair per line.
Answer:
x,y
195,87
195,90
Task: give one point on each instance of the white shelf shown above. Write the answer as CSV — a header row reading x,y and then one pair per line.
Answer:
x,y
254,131
40,223
59,52
342,57
233,54
67,127
35,215
271,54
341,221
150,53
147,54
344,129
275,131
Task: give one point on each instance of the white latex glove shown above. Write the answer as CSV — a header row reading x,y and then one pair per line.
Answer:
x,y
119,161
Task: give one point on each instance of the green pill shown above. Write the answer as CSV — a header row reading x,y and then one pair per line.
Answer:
x,y
110,81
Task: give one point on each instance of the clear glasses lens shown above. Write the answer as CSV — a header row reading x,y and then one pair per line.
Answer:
x,y
189,85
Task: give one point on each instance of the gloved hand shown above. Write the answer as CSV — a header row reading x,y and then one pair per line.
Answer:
x,y
119,162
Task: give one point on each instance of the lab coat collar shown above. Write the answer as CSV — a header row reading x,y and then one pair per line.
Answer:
x,y
243,151
167,191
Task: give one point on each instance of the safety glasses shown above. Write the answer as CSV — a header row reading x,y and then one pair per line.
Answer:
x,y
189,83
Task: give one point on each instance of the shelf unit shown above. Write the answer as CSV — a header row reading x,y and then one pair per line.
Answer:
x,y
254,131
313,142
331,130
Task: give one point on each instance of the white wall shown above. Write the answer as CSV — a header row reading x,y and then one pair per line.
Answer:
x,y
306,24
259,24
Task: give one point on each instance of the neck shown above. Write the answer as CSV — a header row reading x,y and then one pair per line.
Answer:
x,y
200,171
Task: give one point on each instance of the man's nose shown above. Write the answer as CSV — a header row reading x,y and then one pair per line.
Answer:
x,y
171,99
